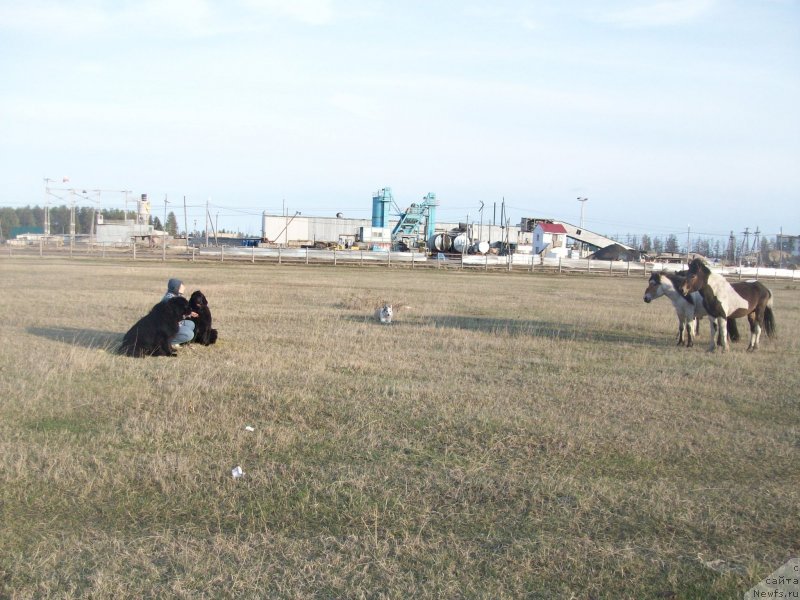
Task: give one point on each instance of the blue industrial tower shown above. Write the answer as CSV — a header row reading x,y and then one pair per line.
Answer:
x,y
380,206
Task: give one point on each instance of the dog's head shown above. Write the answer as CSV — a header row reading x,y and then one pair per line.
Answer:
x,y
197,300
179,307
385,313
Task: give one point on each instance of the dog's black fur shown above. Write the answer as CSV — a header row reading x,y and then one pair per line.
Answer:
x,y
152,333
203,332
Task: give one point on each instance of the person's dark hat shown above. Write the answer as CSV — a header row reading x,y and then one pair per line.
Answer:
x,y
174,286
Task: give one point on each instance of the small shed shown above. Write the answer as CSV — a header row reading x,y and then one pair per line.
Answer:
x,y
550,238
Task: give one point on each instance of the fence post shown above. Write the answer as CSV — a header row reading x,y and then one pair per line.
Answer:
x,y
279,254
41,247
629,269
559,264
334,257
134,249
362,257
611,266
164,249
389,259
412,260
193,254
306,254
222,254
252,255
486,262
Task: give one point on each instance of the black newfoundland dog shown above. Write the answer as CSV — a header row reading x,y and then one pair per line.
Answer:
x,y
203,332
152,333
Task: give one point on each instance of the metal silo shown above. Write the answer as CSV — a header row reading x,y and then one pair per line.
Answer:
x,y
380,207
430,221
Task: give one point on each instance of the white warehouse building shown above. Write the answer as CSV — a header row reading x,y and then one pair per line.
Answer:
x,y
287,230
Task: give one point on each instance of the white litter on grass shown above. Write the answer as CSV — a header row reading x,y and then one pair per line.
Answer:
x,y
249,428
237,472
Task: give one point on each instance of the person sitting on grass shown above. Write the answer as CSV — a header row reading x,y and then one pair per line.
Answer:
x,y
186,327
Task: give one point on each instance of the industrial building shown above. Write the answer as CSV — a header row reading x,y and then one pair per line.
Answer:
x,y
123,232
416,228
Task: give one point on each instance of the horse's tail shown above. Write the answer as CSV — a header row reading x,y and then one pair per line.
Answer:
x,y
733,330
769,317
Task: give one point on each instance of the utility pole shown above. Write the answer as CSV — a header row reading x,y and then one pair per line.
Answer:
x,y
688,241
72,222
745,244
731,252
165,213
480,231
756,239
47,206
582,200
207,221
502,222
185,223
466,240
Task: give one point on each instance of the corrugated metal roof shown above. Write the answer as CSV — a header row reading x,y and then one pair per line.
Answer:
x,y
552,227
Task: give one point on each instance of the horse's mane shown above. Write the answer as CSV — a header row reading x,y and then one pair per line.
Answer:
x,y
677,278
698,265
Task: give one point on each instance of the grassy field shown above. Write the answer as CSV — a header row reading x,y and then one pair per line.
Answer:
x,y
508,436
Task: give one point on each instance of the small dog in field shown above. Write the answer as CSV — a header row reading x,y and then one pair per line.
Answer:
x,y
384,314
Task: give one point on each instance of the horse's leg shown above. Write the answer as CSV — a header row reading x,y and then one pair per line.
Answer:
x,y
691,327
761,315
681,326
755,331
713,326
722,332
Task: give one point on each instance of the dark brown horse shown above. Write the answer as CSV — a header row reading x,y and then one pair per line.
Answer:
x,y
722,302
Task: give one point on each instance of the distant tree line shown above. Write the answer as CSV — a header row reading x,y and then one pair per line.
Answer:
x,y
12,218
749,250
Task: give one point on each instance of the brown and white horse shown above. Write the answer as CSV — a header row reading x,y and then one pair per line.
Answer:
x,y
688,308
724,302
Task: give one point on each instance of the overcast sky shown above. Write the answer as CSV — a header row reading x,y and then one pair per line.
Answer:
x,y
665,114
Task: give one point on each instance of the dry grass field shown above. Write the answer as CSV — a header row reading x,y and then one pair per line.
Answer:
x,y
507,436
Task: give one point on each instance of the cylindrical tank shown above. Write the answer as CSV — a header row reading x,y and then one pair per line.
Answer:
x,y
441,242
143,212
461,243
380,207
483,247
